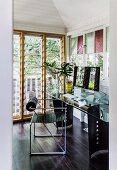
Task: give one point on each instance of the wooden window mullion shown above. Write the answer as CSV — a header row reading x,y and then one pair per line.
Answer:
x,y
63,59
43,73
22,74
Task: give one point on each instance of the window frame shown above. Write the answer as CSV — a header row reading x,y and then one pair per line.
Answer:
x,y
62,58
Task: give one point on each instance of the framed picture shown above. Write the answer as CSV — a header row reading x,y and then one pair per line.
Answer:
x,y
78,76
87,77
94,78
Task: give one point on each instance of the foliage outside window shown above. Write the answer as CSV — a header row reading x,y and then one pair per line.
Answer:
x,y
32,67
52,55
29,52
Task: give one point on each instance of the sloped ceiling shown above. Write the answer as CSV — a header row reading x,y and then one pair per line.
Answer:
x,y
37,13
62,14
76,13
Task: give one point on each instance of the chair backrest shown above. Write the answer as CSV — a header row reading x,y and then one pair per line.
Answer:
x,y
58,104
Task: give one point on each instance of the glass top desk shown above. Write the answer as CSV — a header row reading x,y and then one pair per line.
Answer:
x,y
84,99
96,105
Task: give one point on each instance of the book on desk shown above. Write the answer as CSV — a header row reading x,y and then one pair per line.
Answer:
x,y
81,101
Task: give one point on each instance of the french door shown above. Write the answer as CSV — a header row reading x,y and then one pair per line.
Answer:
x,y
30,51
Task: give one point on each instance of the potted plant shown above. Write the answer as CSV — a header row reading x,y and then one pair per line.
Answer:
x,y
64,71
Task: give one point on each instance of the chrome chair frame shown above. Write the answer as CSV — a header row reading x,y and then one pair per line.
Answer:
x,y
63,149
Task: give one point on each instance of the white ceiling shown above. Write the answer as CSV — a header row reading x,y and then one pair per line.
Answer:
x,y
37,12
63,14
78,12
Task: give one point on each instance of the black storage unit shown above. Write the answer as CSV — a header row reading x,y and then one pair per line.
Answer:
x,y
98,132
69,111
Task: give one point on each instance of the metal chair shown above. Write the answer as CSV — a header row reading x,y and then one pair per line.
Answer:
x,y
50,116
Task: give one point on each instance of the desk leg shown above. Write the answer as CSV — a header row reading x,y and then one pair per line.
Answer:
x,y
98,133
82,116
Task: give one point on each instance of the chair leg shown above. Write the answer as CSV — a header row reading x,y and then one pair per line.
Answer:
x,y
30,139
65,130
34,129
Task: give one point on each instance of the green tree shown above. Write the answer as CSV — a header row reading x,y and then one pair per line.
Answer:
x,y
33,53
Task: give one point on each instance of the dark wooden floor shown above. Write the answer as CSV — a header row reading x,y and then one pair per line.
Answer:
x,y
77,157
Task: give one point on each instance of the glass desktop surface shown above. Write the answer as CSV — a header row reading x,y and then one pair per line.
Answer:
x,y
91,97
99,102
83,99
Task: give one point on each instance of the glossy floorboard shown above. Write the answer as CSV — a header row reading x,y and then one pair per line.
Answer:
x,y
77,157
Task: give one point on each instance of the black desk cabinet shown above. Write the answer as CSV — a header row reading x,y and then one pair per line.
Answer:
x,y
98,132
69,115
97,110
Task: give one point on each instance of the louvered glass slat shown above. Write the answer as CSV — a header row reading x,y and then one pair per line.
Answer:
x,y
32,68
74,50
16,75
90,60
79,60
89,41
52,55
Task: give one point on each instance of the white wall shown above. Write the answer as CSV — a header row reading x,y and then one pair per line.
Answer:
x,y
113,85
6,84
